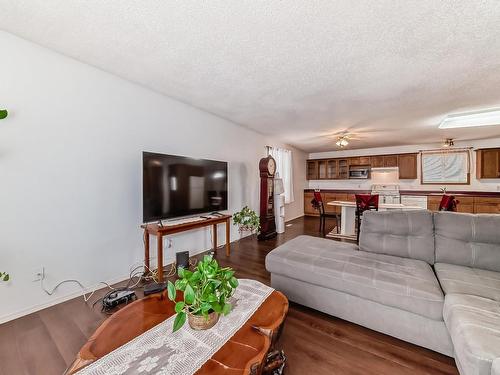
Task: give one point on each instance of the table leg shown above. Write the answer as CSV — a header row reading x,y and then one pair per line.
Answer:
x,y
147,265
159,245
348,222
228,237
214,233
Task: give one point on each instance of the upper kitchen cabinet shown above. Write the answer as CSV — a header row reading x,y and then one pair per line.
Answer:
x,y
360,160
312,169
338,169
343,171
488,163
332,169
407,164
390,161
384,161
377,161
322,164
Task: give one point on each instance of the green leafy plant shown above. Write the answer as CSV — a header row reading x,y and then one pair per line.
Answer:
x,y
4,276
246,219
3,113
207,289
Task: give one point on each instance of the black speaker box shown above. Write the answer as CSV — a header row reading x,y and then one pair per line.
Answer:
x,y
182,260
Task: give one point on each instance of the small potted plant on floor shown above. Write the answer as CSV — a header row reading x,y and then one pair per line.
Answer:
x,y
207,291
247,220
4,276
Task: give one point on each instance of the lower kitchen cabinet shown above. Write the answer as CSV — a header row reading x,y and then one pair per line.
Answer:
x,y
485,205
467,203
308,208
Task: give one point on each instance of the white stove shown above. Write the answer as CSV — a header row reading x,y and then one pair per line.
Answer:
x,y
388,193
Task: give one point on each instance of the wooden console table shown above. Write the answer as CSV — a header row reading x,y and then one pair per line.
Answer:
x,y
161,231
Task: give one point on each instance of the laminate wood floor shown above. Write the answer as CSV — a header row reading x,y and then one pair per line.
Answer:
x,y
46,342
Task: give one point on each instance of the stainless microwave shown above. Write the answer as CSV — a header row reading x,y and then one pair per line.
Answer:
x,y
359,172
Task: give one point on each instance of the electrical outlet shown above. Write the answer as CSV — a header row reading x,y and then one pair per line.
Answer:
x,y
38,274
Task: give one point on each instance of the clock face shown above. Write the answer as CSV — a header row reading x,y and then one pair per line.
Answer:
x,y
271,166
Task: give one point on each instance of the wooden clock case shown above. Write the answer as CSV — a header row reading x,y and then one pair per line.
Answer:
x,y
267,222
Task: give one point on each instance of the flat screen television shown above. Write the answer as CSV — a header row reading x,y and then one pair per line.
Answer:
x,y
175,186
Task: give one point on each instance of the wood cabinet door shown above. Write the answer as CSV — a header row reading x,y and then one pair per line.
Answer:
x,y
465,204
329,197
407,164
433,202
364,160
312,170
351,198
308,208
343,169
489,163
322,170
354,161
483,205
390,161
332,169
377,161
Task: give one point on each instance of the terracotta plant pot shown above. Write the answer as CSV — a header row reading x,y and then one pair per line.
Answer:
x,y
199,322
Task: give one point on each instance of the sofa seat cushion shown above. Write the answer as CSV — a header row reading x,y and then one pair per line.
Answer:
x,y
474,326
465,280
407,284
495,367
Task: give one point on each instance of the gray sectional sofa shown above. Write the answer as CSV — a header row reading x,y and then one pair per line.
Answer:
x,y
430,279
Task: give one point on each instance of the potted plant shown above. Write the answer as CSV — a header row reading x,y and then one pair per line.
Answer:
x,y
247,220
206,294
4,276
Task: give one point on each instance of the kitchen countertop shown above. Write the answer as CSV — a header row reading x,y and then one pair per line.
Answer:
x,y
495,194
389,206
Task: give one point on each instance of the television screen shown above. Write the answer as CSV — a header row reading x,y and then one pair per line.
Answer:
x,y
175,186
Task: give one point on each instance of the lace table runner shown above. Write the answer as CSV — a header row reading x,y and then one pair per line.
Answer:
x,y
159,351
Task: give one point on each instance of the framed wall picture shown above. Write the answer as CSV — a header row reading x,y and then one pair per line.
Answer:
x,y
447,167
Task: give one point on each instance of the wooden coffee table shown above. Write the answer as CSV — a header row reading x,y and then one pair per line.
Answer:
x,y
244,353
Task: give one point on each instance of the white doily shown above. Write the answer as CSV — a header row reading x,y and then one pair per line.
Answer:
x,y
159,351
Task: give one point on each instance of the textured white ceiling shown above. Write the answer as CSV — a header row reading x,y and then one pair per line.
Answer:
x,y
386,71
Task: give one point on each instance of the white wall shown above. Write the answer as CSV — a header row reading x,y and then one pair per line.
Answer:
x,y
70,167
475,185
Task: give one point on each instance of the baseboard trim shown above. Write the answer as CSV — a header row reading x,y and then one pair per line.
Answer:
x,y
79,293
293,218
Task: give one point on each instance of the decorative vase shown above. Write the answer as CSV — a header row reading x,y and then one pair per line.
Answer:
x,y
199,322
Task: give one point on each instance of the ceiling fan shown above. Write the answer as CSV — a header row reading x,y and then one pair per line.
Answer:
x,y
342,141
339,138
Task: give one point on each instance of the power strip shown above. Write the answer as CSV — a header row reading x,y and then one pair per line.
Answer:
x,y
114,299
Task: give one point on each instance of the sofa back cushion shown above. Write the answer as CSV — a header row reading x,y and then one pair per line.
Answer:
x,y
468,240
408,234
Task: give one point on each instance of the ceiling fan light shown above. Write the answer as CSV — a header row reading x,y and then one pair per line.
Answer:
x,y
478,118
342,142
449,142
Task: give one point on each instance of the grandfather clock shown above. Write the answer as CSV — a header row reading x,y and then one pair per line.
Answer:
x,y
267,168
